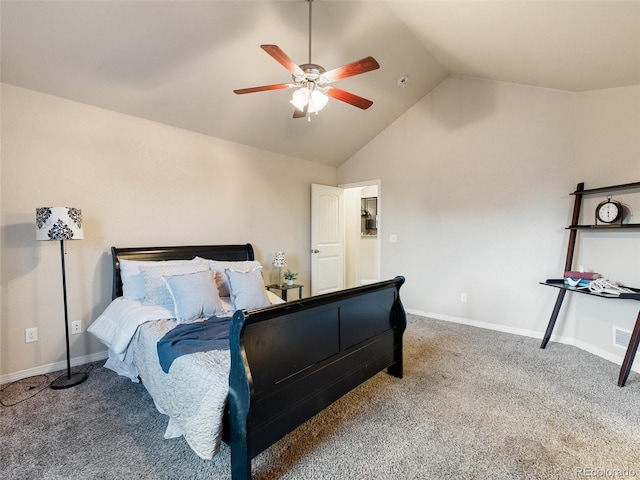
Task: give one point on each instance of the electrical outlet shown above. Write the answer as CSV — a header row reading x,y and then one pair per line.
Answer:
x,y
30,335
76,327
463,297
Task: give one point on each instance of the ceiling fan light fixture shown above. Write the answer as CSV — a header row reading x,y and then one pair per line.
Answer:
x,y
314,99
317,101
300,98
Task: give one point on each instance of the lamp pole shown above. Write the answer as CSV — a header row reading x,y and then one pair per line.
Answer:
x,y
77,378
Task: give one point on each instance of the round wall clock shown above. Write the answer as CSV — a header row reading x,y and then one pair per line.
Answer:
x,y
609,211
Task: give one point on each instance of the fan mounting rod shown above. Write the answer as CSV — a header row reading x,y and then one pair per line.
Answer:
x,y
310,4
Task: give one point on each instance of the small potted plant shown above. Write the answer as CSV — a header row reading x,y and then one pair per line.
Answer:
x,y
289,276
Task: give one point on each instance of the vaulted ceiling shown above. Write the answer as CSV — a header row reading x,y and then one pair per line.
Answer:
x,y
178,62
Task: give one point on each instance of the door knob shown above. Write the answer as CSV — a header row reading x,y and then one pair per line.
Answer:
x,y
315,251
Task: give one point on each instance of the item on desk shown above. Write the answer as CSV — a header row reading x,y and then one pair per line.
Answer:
x,y
579,279
582,275
607,287
577,282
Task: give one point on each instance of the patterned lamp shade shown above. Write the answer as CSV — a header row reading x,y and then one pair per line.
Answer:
x,y
279,260
59,223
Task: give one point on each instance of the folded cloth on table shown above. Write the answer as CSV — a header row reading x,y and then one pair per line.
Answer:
x,y
186,338
581,275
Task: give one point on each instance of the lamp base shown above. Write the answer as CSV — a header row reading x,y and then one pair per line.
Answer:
x,y
66,381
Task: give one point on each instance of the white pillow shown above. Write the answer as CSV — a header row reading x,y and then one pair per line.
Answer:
x,y
220,266
155,290
120,320
247,289
132,281
194,295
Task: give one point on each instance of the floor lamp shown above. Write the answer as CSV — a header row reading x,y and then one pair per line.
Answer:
x,y
61,223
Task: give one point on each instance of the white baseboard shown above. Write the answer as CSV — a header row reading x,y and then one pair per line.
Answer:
x,y
51,367
617,359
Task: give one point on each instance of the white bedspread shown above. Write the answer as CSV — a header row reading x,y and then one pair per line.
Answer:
x,y
194,392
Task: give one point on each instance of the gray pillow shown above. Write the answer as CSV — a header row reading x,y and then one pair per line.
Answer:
x,y
194,295
155,290
247,290
219,267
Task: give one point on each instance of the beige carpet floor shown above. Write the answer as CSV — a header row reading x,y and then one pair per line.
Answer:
x,y
473,404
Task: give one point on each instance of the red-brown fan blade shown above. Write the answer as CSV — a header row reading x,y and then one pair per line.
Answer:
x,y
349,98
356,68
282,59
264,88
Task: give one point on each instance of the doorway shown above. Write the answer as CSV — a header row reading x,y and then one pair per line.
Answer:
x,y
362,219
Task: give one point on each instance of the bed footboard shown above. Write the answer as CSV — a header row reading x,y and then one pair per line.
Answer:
x,y
290,361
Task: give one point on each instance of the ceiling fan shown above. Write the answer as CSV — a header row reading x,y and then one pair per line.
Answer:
x,y
312,81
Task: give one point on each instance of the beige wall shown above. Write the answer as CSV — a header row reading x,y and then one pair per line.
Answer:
x,y
475,183
138,183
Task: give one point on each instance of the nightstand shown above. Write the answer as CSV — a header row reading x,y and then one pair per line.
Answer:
x,y
283,289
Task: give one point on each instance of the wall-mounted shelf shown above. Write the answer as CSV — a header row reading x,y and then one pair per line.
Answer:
x,y
559,283
601,190
603,227
579,193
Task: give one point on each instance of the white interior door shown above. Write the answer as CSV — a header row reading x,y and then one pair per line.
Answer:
x,y
327,239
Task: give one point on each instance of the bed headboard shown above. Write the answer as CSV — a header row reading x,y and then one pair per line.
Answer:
x,y
213,252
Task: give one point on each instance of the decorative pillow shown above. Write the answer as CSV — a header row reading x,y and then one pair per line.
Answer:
x,y
247,289
227,305
194,295
219,268
132,281
155,290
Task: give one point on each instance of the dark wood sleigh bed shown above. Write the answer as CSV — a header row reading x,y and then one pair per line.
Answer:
x,y
290,361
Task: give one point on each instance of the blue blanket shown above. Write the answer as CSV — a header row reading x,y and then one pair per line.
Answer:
x,y
210,334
